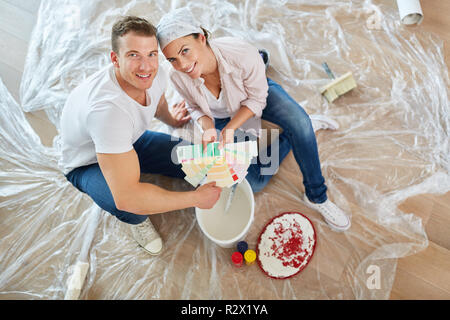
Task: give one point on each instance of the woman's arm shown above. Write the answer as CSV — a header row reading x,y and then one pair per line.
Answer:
x,y
209,131
239,118
227,133
255,82
206,123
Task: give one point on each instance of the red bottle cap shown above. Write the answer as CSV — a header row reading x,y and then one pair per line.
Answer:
x,y
237,258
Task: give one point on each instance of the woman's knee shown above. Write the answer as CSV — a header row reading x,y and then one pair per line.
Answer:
x,y
257,187
258,181
287,113
299,126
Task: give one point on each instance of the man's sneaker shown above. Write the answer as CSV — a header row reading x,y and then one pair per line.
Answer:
x,y
147,237
323,122
334,216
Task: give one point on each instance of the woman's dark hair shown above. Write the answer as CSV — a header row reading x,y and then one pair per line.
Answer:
x,y
205,32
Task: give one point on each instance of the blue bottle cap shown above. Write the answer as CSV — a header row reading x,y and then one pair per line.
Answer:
x,y
242,246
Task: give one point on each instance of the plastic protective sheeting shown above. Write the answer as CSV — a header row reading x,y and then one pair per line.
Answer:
x,y
392,144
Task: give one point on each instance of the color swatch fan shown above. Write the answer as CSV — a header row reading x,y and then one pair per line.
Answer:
x,y
286,245
226,167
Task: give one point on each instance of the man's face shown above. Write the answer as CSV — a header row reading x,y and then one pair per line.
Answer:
x,y
137,61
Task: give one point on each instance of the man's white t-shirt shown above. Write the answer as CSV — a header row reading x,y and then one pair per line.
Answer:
x,y
99,117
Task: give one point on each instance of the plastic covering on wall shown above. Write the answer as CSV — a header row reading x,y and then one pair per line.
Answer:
x,y
392,144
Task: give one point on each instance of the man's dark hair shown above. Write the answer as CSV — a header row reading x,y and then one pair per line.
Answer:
x,y
127,24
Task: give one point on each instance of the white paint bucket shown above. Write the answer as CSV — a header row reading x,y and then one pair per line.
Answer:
x,y
227,229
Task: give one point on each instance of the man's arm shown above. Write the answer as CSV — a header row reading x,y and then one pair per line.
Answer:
x,y
122,174
175,118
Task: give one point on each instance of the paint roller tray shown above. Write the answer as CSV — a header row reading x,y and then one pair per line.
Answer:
x,y
286,245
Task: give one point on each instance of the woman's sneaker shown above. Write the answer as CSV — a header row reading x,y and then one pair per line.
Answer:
x,y
147,237
335,217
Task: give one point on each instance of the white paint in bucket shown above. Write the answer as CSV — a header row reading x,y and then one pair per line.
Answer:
x,y
226,229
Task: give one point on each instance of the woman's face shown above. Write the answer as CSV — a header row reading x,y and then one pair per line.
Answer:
x,y
188,55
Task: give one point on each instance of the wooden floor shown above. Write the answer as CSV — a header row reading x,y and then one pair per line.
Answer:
x,y
425,275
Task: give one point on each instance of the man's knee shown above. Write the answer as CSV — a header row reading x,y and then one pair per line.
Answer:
x,y
127,217
106,202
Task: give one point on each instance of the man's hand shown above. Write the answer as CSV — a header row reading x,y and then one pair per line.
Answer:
x,y
179,114
207,195
176,116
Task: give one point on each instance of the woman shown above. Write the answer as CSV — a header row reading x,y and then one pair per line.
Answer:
x,y
225,87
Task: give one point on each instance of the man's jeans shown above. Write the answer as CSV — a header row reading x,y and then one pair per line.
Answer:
x,y
154,152
297,134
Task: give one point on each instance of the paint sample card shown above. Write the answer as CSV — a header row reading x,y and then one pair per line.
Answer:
x,y
195,153
241,152
226,167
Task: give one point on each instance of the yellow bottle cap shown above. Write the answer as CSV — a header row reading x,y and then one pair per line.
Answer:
x,y
250,256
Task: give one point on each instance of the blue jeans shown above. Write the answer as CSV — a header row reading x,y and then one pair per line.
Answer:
x,y
297,135
154,153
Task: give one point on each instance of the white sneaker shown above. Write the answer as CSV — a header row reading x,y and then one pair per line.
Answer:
x,y
147,237
323,122
335,217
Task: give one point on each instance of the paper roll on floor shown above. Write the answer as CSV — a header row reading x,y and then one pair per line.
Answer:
x,y
410,11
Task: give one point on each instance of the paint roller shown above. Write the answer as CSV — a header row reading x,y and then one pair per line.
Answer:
x,y
337,87
79,270
76,280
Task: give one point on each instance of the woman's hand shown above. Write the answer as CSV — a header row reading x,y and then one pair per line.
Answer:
x,y
226,136
227,133
179,114
209,135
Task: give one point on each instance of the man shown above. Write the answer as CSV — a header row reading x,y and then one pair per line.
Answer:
x,y
105,141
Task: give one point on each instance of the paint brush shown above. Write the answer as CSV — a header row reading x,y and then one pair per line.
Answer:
x,y
230,197
338,86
